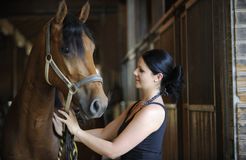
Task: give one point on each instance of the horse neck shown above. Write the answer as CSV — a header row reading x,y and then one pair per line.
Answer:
x,y
37,95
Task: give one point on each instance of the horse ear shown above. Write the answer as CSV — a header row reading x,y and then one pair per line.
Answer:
x,y
62,12
84,12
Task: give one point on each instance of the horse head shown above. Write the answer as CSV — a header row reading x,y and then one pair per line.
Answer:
x,y
69,62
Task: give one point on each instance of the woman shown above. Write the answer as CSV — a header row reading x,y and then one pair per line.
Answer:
x,y
137,134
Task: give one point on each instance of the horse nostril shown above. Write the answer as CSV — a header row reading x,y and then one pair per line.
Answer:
x,y
95,106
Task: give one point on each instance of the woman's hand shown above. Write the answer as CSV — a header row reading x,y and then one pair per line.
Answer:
x,y
70,120
57,125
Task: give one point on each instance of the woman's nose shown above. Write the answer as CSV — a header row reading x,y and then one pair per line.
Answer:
x,y
135,72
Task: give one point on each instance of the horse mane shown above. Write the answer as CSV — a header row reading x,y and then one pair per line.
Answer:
x,y
72,40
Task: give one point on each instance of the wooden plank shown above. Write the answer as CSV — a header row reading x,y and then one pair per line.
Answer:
x,y
240,4
241,113
202,132
241,80
166,25
171,106
200,53
46,7
190,3
170,139
201,108
162,20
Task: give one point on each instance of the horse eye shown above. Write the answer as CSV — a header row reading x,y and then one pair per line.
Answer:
x,y
65,50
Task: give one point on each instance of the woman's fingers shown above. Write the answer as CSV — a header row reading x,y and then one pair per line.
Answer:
x,y
70,120
72,114
57,125
70,111
54,120
60,119
63,113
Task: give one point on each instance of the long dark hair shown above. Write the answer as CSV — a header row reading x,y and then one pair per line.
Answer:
x,y
160,61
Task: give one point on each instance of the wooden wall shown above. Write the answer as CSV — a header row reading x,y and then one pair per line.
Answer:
x,y
12,66
200,108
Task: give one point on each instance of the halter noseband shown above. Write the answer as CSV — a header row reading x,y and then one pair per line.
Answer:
x,y
72,87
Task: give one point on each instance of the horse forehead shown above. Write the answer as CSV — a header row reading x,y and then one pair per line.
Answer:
x,y
85,62
89,45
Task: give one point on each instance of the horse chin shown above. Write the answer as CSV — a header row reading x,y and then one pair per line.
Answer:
x,y
80,114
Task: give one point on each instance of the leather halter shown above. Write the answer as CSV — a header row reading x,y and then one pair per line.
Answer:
x,y
72,87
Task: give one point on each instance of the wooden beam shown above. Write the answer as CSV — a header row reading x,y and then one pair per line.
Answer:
x,y
45,7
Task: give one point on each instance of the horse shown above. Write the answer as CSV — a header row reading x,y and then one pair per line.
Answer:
x,y
62,59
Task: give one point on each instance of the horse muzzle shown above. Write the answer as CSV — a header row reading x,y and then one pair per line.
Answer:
x,y
93,108
97,108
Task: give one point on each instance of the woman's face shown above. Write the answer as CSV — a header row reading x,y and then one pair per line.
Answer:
x,y
143,75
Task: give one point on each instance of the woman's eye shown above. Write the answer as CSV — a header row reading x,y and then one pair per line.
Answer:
x,y
140,70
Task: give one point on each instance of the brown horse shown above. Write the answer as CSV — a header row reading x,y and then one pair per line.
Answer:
x,y
61,58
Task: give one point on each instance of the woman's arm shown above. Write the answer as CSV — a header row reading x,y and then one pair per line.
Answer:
x,y
143,124
109,132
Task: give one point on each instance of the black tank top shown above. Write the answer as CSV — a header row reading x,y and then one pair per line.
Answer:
x,y
151,147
